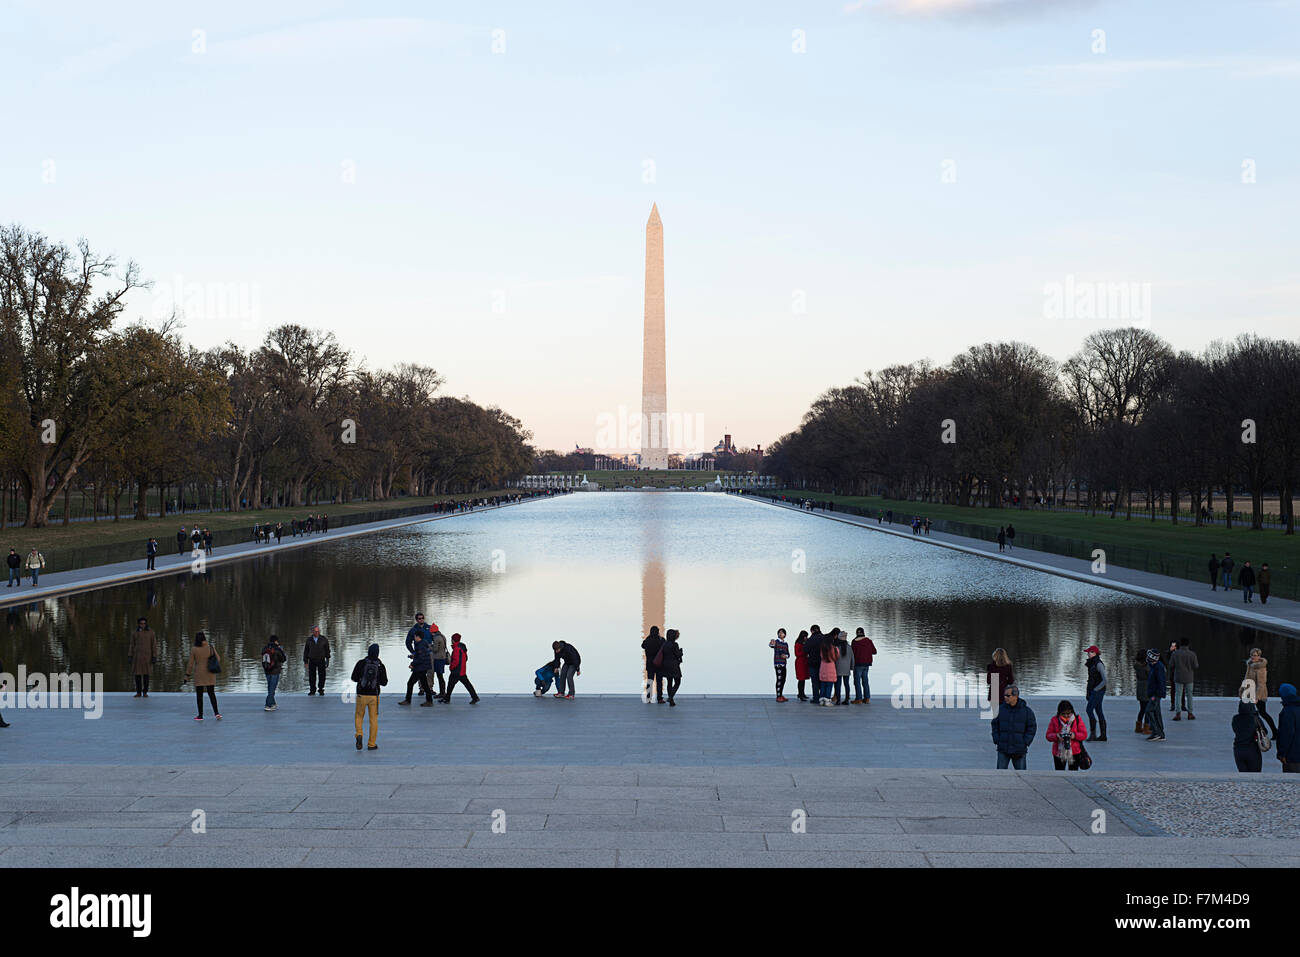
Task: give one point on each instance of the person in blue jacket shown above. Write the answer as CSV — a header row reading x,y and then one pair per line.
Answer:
x,y
1014,729
1157,678
542,679
419,643
1288,730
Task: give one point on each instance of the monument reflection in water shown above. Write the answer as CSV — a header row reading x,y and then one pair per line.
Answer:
x,y
512,581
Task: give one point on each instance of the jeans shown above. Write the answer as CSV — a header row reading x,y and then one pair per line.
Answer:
x,y
828,689
1154,718
367,703
1095,700
1227,579
1016,761
654,685
860,684
842,688
316,675
15,576
212,696
780,681
271,682
36,574
1246,592
1183,697
567,671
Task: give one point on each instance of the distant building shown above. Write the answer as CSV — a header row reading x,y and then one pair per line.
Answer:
x,y
725,447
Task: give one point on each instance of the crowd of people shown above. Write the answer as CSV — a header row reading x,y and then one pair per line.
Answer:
x,y
1248,579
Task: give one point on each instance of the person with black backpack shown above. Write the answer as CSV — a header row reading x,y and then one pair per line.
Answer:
x,y
273,659
370,675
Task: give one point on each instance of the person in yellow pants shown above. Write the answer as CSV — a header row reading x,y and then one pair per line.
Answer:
x,y
370,675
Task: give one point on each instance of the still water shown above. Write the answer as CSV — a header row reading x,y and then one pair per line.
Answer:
x,y
597,570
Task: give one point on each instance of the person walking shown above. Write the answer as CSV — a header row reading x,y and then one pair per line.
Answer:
x,y
654,681
826,671
15,573
421,644
204,664
1225,570
780,655
207,542
671,666
1000,665
843,667
370,675
3,722
813,650
273,659
1245,737
1265,580
438,654
1288,730
1066,731
142,654
864,652
316,656
570,667
1167,658
1185,664
459,670
1095,693
1011,536
35,562
1141,670
1014,729
1214,572
150,554
1247,582
1156,681
182,539
801,663
1002,539
1257,679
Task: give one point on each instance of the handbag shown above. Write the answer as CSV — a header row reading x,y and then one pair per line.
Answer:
x,y
1261,736
214,663
1083,760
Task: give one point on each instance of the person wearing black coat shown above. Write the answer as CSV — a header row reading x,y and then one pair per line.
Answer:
x,y
812,649
1247,581
651,645
671,668
1140,671
568,664
1013,729
3,722
1245,747
1214,572
1157,678
421,646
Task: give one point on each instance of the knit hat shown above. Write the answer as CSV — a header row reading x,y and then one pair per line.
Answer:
x,y
1286,691
1092,650
455,636
1152,655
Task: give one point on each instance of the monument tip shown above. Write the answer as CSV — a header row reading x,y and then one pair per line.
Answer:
x,y
654,213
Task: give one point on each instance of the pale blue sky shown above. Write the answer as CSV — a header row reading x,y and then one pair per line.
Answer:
x,y
516,178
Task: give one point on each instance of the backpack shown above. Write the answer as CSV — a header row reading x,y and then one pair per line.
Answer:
x,y
268,658
369,683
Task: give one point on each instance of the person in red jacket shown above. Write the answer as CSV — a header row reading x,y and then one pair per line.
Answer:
x,y
864,650
801,663
459,667
1066,732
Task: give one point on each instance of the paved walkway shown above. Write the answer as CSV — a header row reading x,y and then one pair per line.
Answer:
x,y
58,584
597,781
1279,615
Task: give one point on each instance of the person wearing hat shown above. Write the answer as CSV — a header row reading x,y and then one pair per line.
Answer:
x,y
1156,681
1288,730
370,675
459,670
1096,693
1013,729
438,656
1245,741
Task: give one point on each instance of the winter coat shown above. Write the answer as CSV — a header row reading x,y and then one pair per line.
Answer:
x,y
1006,677
1257,671
1288,729
438,646
198,666
277,659
864,651
1214,566
826,671
1265,578
1156,681
459,659
569,655
651,646
1185,665
672,666
421,656
316,649
1244,724
1227,565
1140,672
417,631
844,663
1096,674
1246,577
359,669
144,649
1054,728
1014,729
800,661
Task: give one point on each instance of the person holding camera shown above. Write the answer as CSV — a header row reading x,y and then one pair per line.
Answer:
x,y
1066,732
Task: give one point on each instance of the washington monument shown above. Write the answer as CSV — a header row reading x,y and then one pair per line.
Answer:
x,y
654,375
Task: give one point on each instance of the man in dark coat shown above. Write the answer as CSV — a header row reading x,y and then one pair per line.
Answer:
x,y
812,649
651,645
1288,730
1247,582
1157,678
1214,572
316,656
1013,729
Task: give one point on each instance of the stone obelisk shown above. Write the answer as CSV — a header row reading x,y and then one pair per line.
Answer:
x,y
654,375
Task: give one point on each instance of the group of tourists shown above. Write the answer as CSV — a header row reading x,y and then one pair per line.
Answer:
x,y
828,661
1248,579
1006,537
1155,672
196,539
33,564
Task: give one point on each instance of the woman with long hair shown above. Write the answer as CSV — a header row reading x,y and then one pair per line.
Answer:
x,y
204,678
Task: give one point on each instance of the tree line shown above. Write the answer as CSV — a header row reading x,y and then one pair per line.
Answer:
x,y
89,403
1003,423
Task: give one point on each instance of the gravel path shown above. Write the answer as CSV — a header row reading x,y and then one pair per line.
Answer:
x,y
1269,808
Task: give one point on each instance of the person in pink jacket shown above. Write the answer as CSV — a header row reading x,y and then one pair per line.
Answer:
x,y
1066,731
827,672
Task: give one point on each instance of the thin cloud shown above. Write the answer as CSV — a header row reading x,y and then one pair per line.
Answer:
x,y
968,9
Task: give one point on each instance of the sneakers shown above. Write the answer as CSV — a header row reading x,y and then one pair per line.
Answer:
x,y
475,700
358,742
537,693
557,696
781,698
198,717
372,747
218,717
268,708
567,697
672,703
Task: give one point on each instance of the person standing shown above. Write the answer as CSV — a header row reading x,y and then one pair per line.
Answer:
x,y
1257,678
1288,730
421,646
438,656
812,648
200,668
1245,739
15,565
459,670
864,652
801,663
182,539
150,554
1011,536
35,562
1185,664
273,659
142,655
1157,677
1141,670
1002,539
1065,731
207,542
370,675
1247,582
826,671
843,667
279,532
1225,570
780,655
1265,583
1000,666
1167,658
1214,572
570,666
672,665
650,645
1096,693
3,722
316,656
1014,729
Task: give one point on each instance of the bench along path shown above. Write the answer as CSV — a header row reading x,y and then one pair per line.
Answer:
x,y
602,781
1279,615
